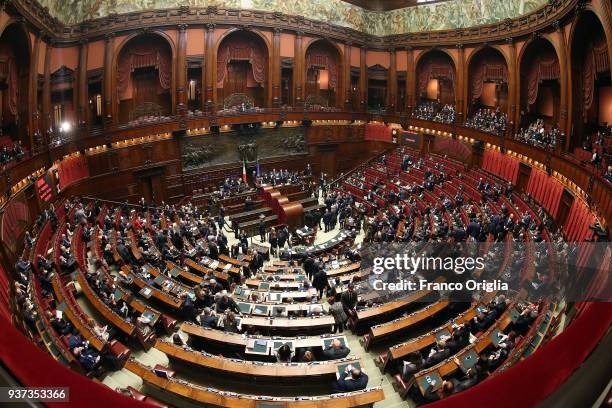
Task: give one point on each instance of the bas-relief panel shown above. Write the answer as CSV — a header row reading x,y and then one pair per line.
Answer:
x,y
438,16
232,147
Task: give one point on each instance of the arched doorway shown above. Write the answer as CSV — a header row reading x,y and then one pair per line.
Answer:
x,y
591,83
435,73
144,78
323,75
242,71
14,73
377,87
487,81
540,89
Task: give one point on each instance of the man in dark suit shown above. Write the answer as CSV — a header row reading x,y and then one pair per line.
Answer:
x,y
349,301
319,281
354,381
335,351
207,319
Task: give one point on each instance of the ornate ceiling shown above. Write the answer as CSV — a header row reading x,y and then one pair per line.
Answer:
x,y
422,17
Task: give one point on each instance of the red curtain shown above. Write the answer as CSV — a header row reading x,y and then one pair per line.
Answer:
x,y
487,71
578,221
541,70
374,131
9,74
546,190
503,166
595,60
239,49
72,170
5,313
15,219
434,68
142,55
326,58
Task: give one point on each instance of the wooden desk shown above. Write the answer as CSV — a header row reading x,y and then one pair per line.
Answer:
x,y
232,400
300,323
240,341
392,306
103,309
188,276
157,294
383,330
250,368
343,270
205,271
401,350
449,365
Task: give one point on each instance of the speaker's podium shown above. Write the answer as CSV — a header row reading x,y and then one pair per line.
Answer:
x,y
289,213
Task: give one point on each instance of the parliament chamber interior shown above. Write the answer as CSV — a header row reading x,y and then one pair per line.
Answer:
x,y
308,203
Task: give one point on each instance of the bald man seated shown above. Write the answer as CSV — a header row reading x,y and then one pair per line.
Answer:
x,y
353,380
335,351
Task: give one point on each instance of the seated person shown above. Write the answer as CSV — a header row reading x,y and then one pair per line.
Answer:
x,y
284,354
335,351
208,319
227,303
353,380
446,390
230,324
412,365
89,359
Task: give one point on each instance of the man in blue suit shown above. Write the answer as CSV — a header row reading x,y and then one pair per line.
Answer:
x,y
355,380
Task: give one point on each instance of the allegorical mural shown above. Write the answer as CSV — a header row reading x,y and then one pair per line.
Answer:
x,y
425,17
236,146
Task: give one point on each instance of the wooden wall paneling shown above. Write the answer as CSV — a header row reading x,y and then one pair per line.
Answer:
x,y
109,95
209,70
410,80
46,95
181,70
81,89
276,68
33,113
461,85
363,80
564,207
523,177
346,76
392,81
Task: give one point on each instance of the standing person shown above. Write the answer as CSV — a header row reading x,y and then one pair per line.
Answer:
x,y
282,238
273,239
337,311
349,301
319,281
327,220
262,228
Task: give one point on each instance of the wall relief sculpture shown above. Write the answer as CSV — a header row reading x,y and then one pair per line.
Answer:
x,y
440,15
250,144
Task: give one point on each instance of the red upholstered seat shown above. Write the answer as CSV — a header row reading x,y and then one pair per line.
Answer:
x,y
365,341
381,359
119,350
137,395
401,386
168,371
155,402
66,340
168,323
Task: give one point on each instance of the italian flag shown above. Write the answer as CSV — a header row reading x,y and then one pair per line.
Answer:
x,y
244,176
